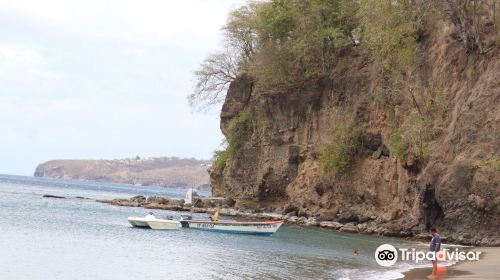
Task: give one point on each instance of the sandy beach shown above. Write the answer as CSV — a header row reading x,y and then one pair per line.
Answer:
x,y
485,269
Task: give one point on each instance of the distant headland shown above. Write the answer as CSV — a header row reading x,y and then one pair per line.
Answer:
x,y
152,171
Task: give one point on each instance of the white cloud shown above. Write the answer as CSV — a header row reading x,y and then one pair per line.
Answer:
x,y
149,22
134,52
21,62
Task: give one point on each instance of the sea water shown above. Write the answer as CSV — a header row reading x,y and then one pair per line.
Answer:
x,y
75,238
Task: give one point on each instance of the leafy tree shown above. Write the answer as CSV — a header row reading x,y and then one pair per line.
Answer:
x,y
241,31
389,31
299,40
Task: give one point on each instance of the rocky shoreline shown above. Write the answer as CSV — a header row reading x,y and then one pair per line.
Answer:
x,y
342,223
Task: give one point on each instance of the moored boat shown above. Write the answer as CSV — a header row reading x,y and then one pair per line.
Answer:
x,y
164,224
141,222
229,226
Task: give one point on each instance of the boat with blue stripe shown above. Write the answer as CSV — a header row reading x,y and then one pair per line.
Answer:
x,y
266,228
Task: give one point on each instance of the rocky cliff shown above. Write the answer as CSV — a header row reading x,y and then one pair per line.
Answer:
x,y
164,172
455,188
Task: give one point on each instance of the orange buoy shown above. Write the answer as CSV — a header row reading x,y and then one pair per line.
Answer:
x,y
442,271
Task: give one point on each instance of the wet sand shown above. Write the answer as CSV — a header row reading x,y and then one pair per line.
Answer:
x,y
485,269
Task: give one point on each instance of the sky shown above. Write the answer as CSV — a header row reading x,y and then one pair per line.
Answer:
x,y
104,79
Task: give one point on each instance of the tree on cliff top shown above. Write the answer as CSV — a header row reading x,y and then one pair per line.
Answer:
x,y
279,43
216,72
219,69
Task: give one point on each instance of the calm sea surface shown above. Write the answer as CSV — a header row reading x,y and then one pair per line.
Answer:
x,y
43,238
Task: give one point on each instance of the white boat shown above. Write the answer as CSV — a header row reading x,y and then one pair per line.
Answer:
x,y
229,226
141,222
164,224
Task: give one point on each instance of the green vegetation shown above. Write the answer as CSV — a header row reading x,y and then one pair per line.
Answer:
x,y
390,30
385,96
299,40
490,164
413,134
337,157
286,43
281,43
399,145
220,159
411,137
240,130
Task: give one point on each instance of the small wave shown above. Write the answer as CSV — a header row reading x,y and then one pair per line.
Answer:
x,y
396,272
354,274
457,246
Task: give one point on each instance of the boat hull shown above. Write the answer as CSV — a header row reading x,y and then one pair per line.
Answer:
x,y
254,228
138,222
164,224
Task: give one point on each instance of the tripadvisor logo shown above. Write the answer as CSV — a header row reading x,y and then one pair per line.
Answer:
x,y
387,255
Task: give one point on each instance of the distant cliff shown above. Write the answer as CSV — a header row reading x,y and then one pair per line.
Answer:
x,y
164,171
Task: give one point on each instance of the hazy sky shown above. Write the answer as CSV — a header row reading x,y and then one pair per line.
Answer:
x,y
104,79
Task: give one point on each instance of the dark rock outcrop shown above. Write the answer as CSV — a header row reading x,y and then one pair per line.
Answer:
x,y
202,204
53,196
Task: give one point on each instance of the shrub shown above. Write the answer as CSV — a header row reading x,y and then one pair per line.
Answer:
x,y
220,159
240,130
337,157
399,145
490,164
411,136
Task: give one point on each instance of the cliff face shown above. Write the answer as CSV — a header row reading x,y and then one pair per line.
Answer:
x,y
455,189
164,172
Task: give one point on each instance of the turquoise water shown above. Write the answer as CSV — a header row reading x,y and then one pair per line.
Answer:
x,y
43,238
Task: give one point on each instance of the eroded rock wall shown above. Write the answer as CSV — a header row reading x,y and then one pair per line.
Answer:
x,y
279,169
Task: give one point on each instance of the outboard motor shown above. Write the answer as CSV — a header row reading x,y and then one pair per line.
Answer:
x,y
185,220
